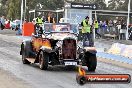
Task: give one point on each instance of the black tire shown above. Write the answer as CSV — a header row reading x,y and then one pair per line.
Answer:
x,y
91,62
43,60
28,49
24,60
25,52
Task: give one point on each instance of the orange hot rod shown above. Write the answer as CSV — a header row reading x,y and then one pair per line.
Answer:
x,y
57,44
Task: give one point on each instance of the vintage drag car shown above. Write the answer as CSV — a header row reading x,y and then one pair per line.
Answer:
x,y
57,44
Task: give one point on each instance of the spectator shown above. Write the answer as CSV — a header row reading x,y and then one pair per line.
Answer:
x,y
44,19
130,32
104,27
50,18
25,21
119,28
96,26
19,32
34,21
122,31
2,22
110,26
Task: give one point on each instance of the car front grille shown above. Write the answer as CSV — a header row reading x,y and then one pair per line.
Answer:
x,y
69,49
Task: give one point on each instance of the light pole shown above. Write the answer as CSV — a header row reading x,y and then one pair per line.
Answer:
x,y
21,14
25,9
128,19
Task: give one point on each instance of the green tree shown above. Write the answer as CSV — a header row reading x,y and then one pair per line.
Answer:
x,y
101,4
3,7
45,5
116,4
13,9
125,5
3,2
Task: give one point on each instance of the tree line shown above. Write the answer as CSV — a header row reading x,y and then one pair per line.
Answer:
x,y
12,8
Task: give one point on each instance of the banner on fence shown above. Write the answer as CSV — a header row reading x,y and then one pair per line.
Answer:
x,y
121,49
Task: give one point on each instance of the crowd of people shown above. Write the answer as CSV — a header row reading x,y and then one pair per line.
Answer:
x,y
118,28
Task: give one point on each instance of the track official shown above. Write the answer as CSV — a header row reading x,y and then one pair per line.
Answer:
x,y
86,31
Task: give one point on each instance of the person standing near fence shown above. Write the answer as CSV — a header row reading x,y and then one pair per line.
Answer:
x,y
130,32
3,22
86,31
104,27
122,31
110,26
96,26
119,28
50,18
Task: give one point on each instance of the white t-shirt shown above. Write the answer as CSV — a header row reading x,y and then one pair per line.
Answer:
x,y
119,26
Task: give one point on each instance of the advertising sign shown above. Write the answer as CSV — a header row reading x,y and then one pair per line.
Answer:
x,y
121,49
84,6
61,27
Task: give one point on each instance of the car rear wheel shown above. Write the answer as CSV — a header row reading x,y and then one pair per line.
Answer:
x,y
43,60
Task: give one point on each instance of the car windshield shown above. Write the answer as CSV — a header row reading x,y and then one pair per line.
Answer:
x,y
61,27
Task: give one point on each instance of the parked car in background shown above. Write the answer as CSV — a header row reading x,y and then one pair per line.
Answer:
x,y
14,24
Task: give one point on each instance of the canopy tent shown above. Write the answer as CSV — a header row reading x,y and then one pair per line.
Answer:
x,y
34,12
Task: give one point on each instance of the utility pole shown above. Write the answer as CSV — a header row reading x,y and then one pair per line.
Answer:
x,y
128,18
21,14
25,9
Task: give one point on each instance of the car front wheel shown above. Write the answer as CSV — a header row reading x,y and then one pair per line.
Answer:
x,y
43,60
24,60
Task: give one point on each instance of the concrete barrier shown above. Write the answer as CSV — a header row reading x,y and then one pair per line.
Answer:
x,y
127,52
121,49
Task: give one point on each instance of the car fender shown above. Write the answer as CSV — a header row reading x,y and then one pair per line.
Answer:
x,y
23,46
90,50
46,49
93,52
